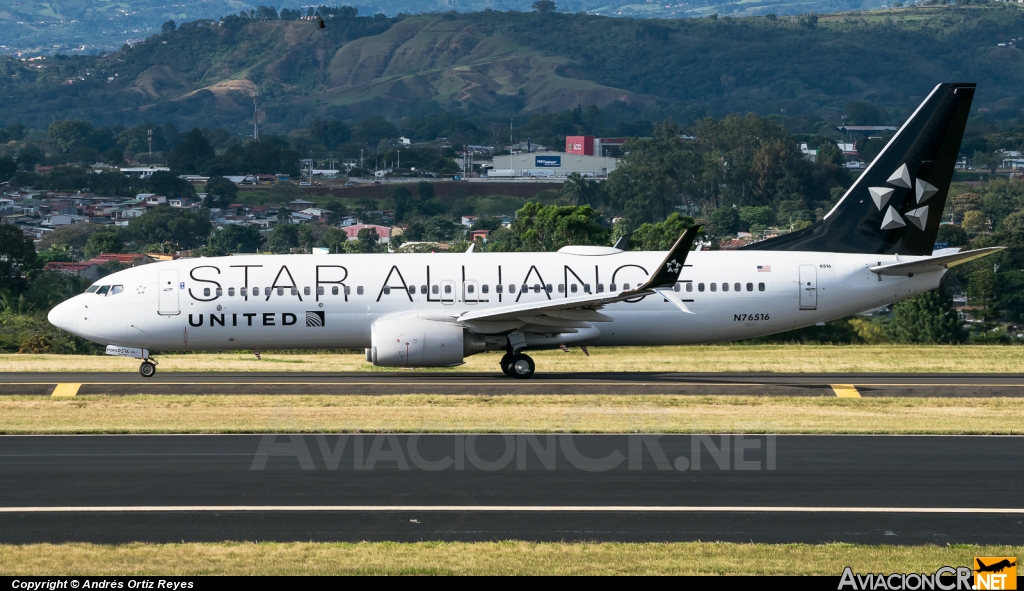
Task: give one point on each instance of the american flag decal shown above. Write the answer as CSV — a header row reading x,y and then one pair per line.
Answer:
x,y
764,268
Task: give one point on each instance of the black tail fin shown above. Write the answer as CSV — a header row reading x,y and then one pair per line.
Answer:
x,y
896,205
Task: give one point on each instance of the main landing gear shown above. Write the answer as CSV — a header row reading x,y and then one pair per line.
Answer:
x,y
148,368
517,365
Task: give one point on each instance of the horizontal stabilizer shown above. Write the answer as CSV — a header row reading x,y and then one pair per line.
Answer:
x,y
927,264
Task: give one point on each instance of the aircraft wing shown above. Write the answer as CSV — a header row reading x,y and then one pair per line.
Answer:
x,y
569,314
934,263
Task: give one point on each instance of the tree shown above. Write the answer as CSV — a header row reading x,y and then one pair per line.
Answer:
x,y
725,220
170,224
543,6
283,238
928,318
975,222
577,189
222,192
7,168
101,242
235,238
366,241
191,153
330,133
550,227
424,190
168,27
17,256
952,235
114,157
333,239
166,183
371,131
439,228
981,290
67,135
660,236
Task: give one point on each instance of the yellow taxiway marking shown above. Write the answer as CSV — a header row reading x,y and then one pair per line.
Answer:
x,y
495,508
66,390
845,391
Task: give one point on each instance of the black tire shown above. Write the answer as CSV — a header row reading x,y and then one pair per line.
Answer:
x,y
147,369
506,360
521,367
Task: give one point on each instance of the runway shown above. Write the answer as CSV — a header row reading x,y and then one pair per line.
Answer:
x,y
773,489
435,382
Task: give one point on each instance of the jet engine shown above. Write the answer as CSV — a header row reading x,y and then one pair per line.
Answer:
x,y
416,342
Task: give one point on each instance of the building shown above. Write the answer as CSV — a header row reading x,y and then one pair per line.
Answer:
x,y
588,145
867,129
383,232
551,164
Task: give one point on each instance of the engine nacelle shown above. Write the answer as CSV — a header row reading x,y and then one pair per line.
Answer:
x,y
414,342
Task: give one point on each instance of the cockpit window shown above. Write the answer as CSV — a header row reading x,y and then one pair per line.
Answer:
x,y
92,288
103,290
116,289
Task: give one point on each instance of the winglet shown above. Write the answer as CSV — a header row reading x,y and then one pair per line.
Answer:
x,y
623,242
668,272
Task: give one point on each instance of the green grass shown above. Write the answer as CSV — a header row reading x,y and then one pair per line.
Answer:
x,y
502,558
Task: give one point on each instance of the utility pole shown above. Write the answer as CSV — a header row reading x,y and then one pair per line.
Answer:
x,y
149,137
510,119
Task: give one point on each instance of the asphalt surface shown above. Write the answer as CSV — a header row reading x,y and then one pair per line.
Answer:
x,y
170,488
433,382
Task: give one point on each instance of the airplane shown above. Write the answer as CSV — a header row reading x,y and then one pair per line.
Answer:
x,y
874,248
994,568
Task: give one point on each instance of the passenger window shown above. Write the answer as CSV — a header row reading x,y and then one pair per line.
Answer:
x,y
433,289
700,287
220,292
611,287
334,290
447,289
561,288
737,287
423,289
119,288
305,290
256,291
280,291
689,287
625,286
725,287
231,292
470,288
320,290
536,288
412,290
387,290
750,287
359,290
243,292
483,288
714,287
586,287
348,290
676,287
92,288
511,288
206,291
499,288
295,291
574,288
760,287
547,288
600,288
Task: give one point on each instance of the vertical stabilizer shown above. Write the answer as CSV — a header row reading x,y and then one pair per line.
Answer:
x,y
896,205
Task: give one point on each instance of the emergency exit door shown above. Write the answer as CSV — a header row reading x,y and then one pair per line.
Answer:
x,y
808,287
168,290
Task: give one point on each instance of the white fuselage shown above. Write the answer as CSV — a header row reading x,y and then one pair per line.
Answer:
x,y
209,303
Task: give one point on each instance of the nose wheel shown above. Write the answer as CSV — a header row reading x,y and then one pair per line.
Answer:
x,y
521,366
147,369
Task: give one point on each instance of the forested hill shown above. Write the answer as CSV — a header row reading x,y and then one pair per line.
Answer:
x,y
492,63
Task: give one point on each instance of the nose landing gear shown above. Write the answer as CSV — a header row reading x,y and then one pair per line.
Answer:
x,y
148,368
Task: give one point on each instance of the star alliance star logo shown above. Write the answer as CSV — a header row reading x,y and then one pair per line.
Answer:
x,y
901,178
673,266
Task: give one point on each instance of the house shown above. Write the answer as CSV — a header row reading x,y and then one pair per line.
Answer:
x,y
58,220
383,232
481,234
469,220
88,270
300,204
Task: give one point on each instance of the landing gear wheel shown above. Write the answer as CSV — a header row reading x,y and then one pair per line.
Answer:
x,y
147,369
521,366
505,363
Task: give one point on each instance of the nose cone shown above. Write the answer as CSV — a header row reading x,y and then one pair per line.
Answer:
x,y
64,316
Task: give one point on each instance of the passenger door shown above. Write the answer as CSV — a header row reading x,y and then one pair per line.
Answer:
x,y
470,291
168,289
808,287
447,291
